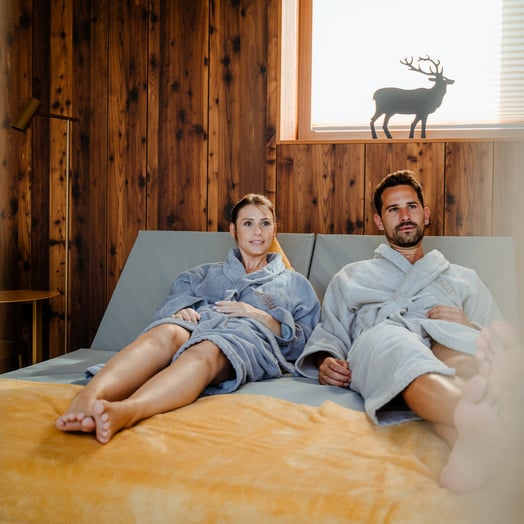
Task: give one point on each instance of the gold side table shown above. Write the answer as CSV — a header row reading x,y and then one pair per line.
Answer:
x,y
35,297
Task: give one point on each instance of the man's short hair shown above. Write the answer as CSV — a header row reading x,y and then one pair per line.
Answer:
x,y
404,177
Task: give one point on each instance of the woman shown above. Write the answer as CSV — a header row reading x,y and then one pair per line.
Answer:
x,y
223,324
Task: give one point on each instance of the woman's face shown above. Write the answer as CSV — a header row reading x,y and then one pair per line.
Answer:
x,y
254,230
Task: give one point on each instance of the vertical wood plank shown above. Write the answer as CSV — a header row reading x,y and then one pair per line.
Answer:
x,y
508,217
154,75
426,160
469,188
238,105
89,176
15,174
40,180
60,93
348,199
177,115
320,188
272,109
127,131
16,32
508,189
294,203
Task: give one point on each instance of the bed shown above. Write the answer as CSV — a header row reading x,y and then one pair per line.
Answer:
x,y
281,451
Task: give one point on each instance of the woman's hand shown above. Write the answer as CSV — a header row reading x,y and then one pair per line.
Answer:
x,y
237,309
241,309
188,314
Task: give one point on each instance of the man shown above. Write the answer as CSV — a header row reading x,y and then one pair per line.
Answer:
x,y
401,328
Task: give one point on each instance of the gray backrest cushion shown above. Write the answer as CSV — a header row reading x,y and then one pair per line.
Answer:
x,y
156,258
492,257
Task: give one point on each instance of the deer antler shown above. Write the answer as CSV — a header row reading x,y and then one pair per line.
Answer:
x,y
427,58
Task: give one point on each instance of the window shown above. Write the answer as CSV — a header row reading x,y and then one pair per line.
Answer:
x,y
343,51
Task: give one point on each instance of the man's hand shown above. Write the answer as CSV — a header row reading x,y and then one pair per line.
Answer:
x,y
333,371
450,313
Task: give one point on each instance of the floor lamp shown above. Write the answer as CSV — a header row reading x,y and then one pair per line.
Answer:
x,y
28,111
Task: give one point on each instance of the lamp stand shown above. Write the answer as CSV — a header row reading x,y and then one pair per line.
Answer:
x,y
28,111
66,242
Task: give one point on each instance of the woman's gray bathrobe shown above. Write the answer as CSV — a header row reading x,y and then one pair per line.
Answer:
x,y
374,314
253,350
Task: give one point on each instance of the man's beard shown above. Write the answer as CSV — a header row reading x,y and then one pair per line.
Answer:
x,y
409,239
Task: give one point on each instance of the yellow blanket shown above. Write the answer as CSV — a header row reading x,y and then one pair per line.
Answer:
x,y
229,459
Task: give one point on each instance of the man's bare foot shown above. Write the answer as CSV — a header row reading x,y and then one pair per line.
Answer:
x,y
500,357
78,416
486,417
111,417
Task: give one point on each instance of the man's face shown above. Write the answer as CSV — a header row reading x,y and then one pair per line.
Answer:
x,y
403,217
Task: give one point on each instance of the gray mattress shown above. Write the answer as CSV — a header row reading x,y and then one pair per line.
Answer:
x,y
158,256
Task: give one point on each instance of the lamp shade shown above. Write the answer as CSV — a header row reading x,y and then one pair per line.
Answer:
x,y
27,113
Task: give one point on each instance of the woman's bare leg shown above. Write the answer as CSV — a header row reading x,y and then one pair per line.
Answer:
x,y
178,385
124,373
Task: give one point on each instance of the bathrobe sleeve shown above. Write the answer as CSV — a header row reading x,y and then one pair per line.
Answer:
x,y
182,292
479,305
298,322
331,335
475,299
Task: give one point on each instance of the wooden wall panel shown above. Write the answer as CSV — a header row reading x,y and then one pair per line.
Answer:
x,y
508,216
127,131
320,188
178,103
469,187
426,160
15,196
272,94
177,115
238,105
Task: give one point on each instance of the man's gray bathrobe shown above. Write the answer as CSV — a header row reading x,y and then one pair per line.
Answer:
x,y
374,314
253,350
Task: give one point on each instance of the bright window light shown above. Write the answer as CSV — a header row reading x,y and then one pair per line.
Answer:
x,y
357,48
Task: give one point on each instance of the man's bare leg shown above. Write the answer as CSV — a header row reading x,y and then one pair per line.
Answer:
x,y
466,366
487,419
123,374
434,398
178,385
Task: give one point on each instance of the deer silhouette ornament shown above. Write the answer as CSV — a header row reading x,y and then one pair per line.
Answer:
x,y
419,102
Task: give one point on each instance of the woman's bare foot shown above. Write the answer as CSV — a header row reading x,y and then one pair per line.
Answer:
x,y
486,418
111,417
78,416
